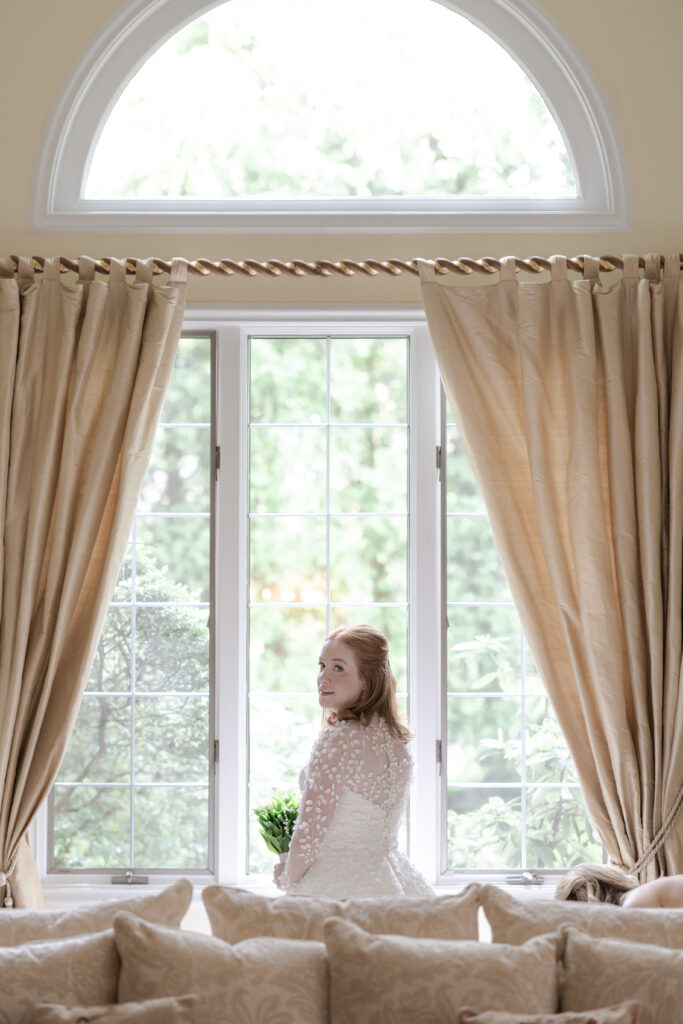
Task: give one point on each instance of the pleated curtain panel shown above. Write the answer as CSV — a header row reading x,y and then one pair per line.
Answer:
x,y
569,398
83,372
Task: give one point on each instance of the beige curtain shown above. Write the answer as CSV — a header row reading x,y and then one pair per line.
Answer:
x,y
83,371
569,397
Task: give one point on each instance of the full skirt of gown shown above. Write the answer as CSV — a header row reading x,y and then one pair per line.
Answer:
x,y
359,856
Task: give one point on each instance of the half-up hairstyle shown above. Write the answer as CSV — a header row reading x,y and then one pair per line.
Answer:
x,y
371,653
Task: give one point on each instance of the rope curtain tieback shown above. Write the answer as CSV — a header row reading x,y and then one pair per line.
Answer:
x,y
660,838
464,266
4,884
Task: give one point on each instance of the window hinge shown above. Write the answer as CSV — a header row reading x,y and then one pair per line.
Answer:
x,y
439,454
216,751
439,755
217,459
128,878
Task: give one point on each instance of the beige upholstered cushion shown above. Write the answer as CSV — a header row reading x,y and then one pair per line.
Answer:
x,y
154,1011
375,979
515,920
235,914
82,970
274,980
625,1013
607,971
165,907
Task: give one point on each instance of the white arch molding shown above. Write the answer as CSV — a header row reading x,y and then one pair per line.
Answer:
x,y
522,27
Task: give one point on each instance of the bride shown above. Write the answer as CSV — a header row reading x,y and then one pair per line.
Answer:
x,y
355,785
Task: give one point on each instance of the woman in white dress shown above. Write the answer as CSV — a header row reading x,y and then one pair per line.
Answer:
x,y
355,785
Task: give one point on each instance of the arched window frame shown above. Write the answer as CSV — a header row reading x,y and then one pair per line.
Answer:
x,y
535,41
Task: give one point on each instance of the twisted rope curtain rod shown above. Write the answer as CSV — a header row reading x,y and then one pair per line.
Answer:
x,y
341,268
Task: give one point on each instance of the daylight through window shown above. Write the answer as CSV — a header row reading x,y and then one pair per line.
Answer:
x,y
307,99
330,434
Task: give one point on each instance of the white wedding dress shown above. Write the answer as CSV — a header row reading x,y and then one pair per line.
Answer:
x,y
354,790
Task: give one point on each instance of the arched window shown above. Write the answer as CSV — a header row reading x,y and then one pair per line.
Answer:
x,y
394,114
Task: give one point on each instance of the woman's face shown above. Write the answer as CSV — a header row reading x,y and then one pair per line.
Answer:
x,y
339,684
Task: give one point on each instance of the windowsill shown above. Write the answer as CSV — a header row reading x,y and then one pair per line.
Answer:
x,y
66,895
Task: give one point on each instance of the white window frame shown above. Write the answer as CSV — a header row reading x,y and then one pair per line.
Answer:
x,y
232,328
522,27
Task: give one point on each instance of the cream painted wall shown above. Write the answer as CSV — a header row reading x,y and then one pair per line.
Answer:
x,y
633,49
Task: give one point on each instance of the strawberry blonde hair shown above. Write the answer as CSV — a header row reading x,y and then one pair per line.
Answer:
x,y
371,653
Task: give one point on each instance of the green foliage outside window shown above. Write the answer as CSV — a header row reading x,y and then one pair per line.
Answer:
x,y
163,777
265,105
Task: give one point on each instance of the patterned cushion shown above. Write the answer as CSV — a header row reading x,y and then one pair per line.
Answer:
x,y
165,907
379,978
274,980
153,1011
515,920
625,1013
235,914
607,971
82,970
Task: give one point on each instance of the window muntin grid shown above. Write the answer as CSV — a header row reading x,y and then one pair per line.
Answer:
x,y
339,406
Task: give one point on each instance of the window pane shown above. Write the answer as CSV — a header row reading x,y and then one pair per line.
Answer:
x,y
559,832
368,559
484,648
484,828
294,132
475,572
91,827
368,470
99,750
484,739
288,380
283,648
287,469
178,478
172,648
173,558
186,720
368,380
172,827
287,559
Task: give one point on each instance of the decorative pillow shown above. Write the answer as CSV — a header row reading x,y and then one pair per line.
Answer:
x,y
625,1013
235,914
153,1011
598,971
380,978
268,979
76,971
166,907
515,920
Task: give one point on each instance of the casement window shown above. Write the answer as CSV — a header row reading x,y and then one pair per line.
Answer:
x,y
306,474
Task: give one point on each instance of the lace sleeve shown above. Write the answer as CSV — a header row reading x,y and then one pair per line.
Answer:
x,y
323,786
